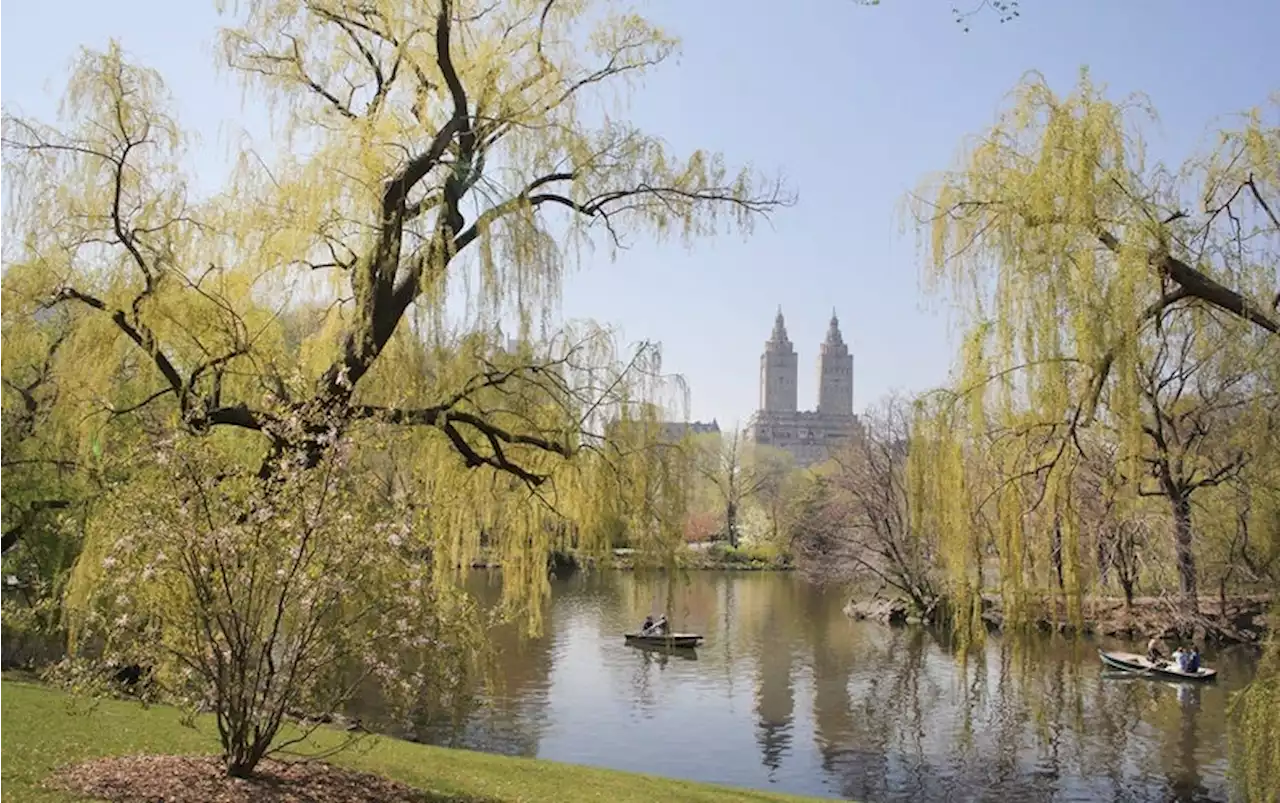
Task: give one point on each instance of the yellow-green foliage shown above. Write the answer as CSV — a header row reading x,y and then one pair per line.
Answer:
x,y
255,305
1044,237
1026,201
1255,728
940,503
337,304
1055,237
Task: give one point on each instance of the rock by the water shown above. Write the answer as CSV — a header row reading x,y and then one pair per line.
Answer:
x,y
885,611
1243,620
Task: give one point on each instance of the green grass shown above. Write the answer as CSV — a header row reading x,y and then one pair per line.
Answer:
x,y
43,728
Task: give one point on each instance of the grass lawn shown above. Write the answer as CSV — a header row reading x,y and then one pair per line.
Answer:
x,y
42,728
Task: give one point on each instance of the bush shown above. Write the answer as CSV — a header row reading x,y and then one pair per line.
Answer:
x,y
28,645
763,553
753,554
255,600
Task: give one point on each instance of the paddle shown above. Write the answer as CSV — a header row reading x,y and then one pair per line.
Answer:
x,y
648,631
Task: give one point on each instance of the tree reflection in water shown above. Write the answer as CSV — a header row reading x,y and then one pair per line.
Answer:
x,y
789,694
899,715
507,715
1023,719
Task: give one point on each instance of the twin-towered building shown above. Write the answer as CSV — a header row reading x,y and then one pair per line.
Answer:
x,y
808,435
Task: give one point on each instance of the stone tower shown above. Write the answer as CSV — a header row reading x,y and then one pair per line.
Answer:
x,y
835,373
778,371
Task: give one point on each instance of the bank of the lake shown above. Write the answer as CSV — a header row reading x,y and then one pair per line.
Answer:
x,y
1237,620
700,557
45,729
789,694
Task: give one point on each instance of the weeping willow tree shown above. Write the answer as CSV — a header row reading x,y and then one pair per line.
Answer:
x,y
1254,734
1064,248
35,476
339,442
45,489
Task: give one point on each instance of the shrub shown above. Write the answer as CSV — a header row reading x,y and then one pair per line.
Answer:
x,y
256,599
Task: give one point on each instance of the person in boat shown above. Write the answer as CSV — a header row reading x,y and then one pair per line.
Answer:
x,y
1154,652
654,628
1193,660
1179,661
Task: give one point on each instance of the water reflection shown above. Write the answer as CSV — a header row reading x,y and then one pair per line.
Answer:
x,y
789,694
660,653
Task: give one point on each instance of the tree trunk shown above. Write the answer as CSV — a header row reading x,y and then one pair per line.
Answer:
x,y
1124,556
977,557
731,523
1055,551
1222,591
243,758
1182,546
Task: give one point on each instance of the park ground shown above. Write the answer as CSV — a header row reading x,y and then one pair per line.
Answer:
x,y
45,731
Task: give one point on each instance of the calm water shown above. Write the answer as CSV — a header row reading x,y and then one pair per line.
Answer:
x,y
788,694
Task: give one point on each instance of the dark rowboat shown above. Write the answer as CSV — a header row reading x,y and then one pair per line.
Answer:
x,y
1132,662
662,651
665,640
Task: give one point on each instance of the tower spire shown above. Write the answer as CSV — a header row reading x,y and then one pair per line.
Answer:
x,y
778,370
779,334
834,337
835,372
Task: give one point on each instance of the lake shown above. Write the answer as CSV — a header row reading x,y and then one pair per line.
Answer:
x,y
788,694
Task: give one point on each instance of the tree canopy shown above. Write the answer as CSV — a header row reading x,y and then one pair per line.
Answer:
x,y
433,145
1071,255
298,319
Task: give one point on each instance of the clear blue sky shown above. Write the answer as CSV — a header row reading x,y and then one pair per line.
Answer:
x,y
854,104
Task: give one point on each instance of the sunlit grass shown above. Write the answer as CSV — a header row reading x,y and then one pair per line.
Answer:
x,y
44,729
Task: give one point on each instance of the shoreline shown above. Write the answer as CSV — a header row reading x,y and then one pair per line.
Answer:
x,y
37,717
628,566
1244,620
622,560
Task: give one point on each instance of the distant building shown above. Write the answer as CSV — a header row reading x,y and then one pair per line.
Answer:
x,y
673,431
808,435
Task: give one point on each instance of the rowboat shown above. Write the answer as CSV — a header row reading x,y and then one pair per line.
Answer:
x,y
665,639
1132,662
662,651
